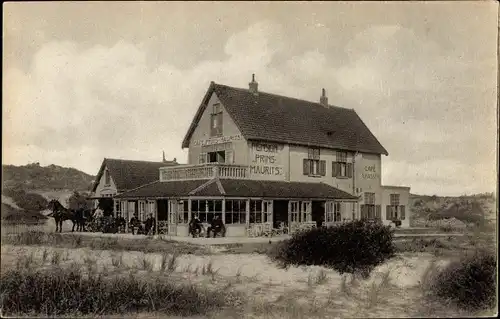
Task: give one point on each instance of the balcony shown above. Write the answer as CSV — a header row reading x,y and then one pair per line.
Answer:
x,y
203,171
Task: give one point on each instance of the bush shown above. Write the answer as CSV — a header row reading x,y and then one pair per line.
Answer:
x,y
354,247
470,283
26,201
67,291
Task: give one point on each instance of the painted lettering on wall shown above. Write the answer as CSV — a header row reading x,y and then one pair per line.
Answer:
x,y
370,172
217,140
268,155
266,170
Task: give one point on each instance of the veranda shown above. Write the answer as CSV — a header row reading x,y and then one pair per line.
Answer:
x,y
252,217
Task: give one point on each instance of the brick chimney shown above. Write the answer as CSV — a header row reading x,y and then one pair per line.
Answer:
x,y
253,86
323,99
164,159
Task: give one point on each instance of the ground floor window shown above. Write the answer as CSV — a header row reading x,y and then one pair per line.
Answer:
x,y
236,211
206,209
151,208
183,212
395,212
370,212
255,211
333,212
142,210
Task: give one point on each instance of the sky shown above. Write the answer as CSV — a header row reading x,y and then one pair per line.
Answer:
x,y
88,80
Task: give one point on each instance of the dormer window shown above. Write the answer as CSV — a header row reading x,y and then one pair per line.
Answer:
x,y
216,120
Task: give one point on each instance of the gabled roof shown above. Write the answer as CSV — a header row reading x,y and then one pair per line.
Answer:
x,y
129,174
238,188
275,118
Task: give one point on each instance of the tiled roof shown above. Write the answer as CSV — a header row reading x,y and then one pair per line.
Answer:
x,y
163,189
239,188
276,118
277,189
129,174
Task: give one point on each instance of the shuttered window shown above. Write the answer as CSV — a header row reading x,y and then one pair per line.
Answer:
x,y
340,168
312,165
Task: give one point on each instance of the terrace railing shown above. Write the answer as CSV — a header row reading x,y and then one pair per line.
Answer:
x,y
203,171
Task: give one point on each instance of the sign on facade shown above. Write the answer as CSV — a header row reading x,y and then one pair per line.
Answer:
x,y
265,159
218,140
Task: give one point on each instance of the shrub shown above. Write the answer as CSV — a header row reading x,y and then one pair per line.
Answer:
x,y
67,291
469,282
354,247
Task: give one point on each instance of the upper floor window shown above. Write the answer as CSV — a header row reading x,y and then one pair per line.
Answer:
x,y
341,168
226,156
216,120
312,165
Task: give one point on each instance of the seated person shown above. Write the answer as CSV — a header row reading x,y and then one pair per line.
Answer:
x,y
135,224
195,226
216,226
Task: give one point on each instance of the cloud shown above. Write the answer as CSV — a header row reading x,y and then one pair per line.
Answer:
x,y
77,103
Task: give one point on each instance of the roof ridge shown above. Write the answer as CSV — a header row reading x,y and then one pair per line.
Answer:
x,y
202,186
141,161
220,187
286,97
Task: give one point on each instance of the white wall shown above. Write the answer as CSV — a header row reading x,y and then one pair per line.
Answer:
x,y
367,171
229,129
404,197
299,153
102,189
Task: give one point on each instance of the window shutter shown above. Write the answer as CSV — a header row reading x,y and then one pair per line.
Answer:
x,y
402,207
363,212
378,213
203,158
229,157
305,166
322,168
349,170
334,169
388,212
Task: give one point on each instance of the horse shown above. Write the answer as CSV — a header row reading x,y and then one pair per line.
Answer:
x,y
61,213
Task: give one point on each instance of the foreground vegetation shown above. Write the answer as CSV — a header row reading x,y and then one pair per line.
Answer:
x,y
63,291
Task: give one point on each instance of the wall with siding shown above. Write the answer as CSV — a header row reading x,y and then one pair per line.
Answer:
x,y
103,189
229,128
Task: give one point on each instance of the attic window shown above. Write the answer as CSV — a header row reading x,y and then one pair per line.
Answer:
x,y
216,120
329,133
107,180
